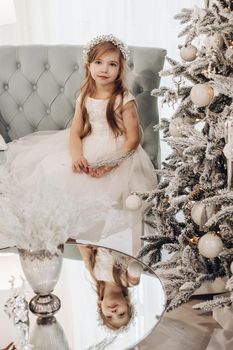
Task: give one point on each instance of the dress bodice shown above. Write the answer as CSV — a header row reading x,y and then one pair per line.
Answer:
x,y
105,259
96,109
103,265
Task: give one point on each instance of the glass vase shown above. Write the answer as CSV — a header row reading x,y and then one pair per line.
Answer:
x,y
42,269
48,334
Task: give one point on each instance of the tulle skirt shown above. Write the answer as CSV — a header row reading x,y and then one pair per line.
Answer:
x,y
46,155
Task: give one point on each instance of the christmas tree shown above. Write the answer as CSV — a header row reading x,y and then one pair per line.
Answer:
x,y
191,212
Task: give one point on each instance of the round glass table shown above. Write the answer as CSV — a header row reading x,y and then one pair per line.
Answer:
x,y
89,319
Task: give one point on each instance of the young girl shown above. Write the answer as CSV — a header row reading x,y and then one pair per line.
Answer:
x,y
106,124
112,274
99,158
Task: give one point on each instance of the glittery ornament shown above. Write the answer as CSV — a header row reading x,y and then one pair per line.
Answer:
x,y
194,240
201,213
196,193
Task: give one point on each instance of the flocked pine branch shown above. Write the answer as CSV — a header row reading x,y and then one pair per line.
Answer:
x,y
195,172
223,84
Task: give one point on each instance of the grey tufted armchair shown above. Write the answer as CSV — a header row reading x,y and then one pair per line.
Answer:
x,y
39,85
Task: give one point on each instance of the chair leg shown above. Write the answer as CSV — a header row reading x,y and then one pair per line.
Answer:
x,y
136,232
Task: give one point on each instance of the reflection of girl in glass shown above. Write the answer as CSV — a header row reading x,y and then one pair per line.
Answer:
x,y
112,273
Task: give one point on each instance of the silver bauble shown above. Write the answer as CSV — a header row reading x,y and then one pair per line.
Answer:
x,y
201,213
133,202
210,245
202,94
188,53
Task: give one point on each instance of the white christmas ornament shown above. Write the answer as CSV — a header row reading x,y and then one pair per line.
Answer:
x,y
231,267
201,213
201,94
133,202
210,245
134,269
188,53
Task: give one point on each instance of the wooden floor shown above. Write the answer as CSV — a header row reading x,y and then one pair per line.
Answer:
x,y
184,329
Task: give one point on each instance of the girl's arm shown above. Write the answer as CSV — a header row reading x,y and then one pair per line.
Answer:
x,y
79,163
132,128
86,253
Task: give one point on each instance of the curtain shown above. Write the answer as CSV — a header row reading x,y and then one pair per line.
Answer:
x,y
137,22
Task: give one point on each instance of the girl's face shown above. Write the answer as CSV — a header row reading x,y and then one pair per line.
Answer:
x,y
105,68
115,309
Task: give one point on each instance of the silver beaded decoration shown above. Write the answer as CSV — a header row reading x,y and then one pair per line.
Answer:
x,y
113,161
106,38
16,307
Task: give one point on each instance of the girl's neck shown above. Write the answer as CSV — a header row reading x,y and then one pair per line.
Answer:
x,y
103,92
111,288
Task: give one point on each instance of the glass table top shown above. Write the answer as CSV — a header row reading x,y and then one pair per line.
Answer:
x,y
84,321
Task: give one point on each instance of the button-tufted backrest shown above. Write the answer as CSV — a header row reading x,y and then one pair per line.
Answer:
x,y
39,85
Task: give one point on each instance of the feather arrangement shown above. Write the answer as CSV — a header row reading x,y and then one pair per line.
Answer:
x,y
44,218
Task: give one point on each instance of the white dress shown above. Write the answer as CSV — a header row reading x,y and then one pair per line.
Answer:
x,y
105,260
46,155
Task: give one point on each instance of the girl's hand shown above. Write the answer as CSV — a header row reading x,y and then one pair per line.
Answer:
x,y
80,165
101,171
11,346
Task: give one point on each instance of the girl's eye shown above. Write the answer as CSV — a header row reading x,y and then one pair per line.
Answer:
x,y
109,317
122,314
113,64
98,62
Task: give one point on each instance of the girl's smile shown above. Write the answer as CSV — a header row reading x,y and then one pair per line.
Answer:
x,y
102,77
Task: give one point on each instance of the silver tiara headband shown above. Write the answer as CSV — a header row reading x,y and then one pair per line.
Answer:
x,y
103,38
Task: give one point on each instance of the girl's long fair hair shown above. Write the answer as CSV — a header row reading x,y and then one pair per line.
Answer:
x,y
88,87
100,288
122,280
